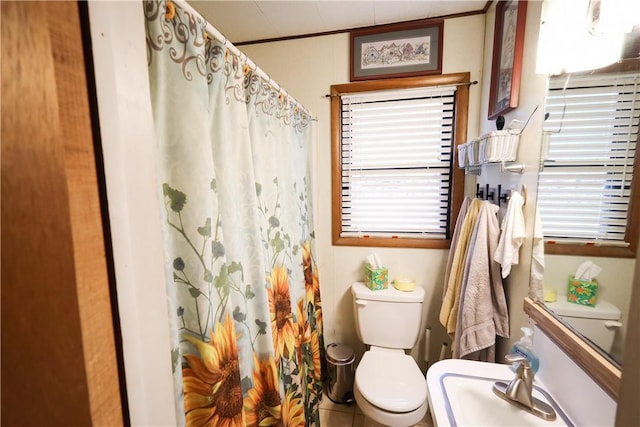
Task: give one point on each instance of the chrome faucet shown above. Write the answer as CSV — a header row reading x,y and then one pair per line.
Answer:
x,y
519,391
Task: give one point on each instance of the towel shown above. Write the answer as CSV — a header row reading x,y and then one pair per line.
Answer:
x,y
454,240
537,261
512,235
483,310
449,310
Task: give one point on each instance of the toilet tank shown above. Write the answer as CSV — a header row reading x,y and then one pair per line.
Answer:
x,y
598,324
387,317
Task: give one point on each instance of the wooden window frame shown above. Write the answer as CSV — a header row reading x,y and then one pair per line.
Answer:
x,y
462,80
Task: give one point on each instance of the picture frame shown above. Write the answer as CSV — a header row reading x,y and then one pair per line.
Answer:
x,y
506,66
396,50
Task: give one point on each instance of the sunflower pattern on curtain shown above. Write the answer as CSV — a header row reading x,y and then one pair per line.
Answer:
x,y
243,294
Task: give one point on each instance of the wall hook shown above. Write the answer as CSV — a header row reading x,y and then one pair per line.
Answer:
x,y
490,193
502,196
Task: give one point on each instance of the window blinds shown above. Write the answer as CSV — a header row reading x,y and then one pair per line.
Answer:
x,y
396,162
585,184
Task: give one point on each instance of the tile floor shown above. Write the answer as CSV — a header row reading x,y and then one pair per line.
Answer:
x,y
349,415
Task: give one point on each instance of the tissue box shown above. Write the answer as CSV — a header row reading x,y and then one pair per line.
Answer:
x,y
582,292
376,278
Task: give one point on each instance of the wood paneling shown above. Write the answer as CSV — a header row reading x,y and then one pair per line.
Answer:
x,y
58,353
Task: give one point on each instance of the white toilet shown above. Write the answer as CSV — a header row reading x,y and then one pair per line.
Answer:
x,y
598,324
389,387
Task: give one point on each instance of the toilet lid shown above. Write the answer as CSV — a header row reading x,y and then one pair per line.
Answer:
x,y
391,381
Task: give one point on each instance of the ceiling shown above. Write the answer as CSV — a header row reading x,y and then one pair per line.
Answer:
x,y
243,21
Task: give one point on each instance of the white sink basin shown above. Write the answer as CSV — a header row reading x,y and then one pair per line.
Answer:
x,y
460,394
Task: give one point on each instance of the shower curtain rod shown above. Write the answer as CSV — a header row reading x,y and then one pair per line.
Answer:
x,y
212,31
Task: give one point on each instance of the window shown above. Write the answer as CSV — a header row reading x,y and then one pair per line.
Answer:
x,y
394,180
586,189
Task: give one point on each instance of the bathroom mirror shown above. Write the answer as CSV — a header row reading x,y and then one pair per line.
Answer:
x,y
588,190
567,246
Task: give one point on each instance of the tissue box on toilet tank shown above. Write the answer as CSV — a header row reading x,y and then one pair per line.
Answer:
x,y
376,278
582,292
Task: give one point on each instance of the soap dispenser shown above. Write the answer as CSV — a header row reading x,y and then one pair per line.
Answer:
x,y
524,348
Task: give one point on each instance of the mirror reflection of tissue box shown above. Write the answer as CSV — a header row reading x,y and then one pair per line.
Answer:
x,y
376,278
582,292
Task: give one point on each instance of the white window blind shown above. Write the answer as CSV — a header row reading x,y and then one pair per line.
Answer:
x,y
396,162
585,184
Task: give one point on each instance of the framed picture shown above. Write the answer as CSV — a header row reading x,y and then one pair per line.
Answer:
x,y
508,41
400,50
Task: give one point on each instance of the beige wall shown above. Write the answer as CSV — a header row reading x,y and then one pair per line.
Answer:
x,y
129,156
532,88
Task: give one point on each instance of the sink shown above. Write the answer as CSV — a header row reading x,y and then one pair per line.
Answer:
x,y
460,394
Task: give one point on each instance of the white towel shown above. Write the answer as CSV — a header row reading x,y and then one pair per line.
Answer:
x,y
512,235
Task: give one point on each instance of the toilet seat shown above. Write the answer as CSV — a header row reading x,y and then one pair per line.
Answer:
x,y
386,418
391,380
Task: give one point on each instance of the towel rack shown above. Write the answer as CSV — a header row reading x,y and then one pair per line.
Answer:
x,y
516,167
505,166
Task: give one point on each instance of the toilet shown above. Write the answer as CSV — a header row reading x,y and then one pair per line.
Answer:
x,y
598,323
389,387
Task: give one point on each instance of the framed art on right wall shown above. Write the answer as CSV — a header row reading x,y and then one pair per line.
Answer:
x,y
506,67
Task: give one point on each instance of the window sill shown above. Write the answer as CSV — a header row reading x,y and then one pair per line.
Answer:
x,y
391,243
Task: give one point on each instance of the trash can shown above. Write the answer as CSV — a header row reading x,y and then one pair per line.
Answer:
x,y
340,358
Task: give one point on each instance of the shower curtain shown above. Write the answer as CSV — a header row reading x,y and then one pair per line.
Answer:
x,y
243,290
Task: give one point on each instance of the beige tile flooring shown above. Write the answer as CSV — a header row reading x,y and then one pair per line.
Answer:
x,y
349,415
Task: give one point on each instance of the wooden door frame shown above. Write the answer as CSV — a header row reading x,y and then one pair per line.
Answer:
x,y
59,363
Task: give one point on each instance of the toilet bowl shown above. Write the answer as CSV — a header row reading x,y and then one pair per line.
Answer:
x,y
389,387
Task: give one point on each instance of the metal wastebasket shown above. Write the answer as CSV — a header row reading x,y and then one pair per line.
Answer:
x,y
340,360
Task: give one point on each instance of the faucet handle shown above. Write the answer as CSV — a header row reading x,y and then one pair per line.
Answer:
x,y
517,358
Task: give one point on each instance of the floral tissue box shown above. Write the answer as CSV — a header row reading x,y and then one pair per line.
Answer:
x,y
376,278
582,292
